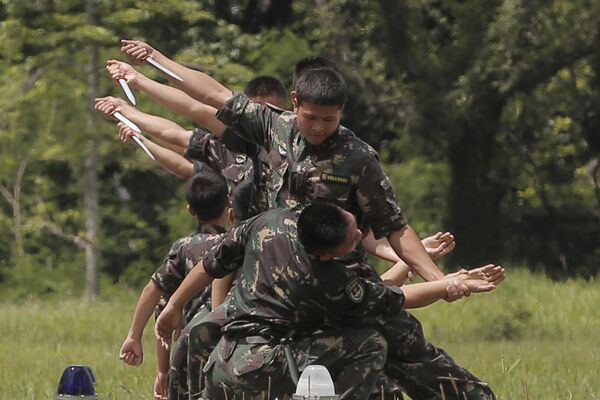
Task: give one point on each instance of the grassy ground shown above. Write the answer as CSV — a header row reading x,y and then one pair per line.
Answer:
x,y
531,339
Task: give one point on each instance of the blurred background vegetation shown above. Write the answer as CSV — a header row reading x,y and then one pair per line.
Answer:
x,y
486,114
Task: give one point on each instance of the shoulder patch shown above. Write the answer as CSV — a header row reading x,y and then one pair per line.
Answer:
x,y
327,177
355,290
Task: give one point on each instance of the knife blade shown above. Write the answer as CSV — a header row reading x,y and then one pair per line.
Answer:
x,y
137,129
127,122
127,91
164,69
142,146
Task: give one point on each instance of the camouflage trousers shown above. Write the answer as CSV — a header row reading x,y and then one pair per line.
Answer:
x,y
238,369
198,339
422,370
179,385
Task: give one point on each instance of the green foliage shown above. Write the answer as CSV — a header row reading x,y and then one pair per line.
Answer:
x,y
485,113
421,188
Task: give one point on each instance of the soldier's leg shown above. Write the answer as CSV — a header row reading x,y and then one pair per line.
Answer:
x,y
354,359
178,383
423,370
203,338
237,369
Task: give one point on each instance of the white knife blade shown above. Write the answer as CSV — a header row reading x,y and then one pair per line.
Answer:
x,y
127,91
142,146
127,122
164,69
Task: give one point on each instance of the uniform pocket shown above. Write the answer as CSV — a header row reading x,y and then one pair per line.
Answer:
x,y
254,358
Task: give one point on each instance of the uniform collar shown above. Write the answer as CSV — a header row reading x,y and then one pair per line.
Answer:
x,y
210,229
328,143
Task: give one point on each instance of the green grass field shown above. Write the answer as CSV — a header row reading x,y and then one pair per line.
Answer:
x,y
530,339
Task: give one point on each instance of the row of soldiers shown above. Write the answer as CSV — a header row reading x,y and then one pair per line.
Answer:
x,y
276,278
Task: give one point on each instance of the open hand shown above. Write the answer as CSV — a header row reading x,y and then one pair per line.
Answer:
x,y
161,385
168,322
439,244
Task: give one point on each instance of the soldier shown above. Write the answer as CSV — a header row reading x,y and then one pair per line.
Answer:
x,y
206,194
290,284
264,89
312,158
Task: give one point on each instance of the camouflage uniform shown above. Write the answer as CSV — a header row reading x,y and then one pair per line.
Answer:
x,y
237,160
206,151
347,171
204,332
283,292
184,255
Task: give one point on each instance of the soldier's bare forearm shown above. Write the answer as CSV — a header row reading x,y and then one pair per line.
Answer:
x,y
143,311
408,246
422,294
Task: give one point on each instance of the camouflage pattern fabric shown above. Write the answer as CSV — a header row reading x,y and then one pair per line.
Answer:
x,y
284,292
343,169
204,334
179,385
184,254
347,171
239,369
423,370
211,153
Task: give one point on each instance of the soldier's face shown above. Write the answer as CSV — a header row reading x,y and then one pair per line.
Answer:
x,y
317,123
353,238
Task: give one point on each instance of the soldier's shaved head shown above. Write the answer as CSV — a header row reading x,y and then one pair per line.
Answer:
x,y
324,228
206,194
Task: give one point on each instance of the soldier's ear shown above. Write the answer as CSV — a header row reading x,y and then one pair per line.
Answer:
x,y
190,210
294,100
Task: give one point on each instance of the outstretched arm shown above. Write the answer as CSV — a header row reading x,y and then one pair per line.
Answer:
x,y
173,99
195,83
131,350
408,246
160,128
436,246
169,160
454,286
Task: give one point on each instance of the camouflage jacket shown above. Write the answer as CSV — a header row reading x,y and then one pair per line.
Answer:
x,y
237,160
343,169
284,291
185,253
206,151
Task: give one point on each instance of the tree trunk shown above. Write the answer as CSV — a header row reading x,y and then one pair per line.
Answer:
x,y
476,191
90,180
14,199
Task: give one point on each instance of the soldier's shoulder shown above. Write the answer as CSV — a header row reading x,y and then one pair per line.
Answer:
x,y
275,109
355,146
286,117
179,243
